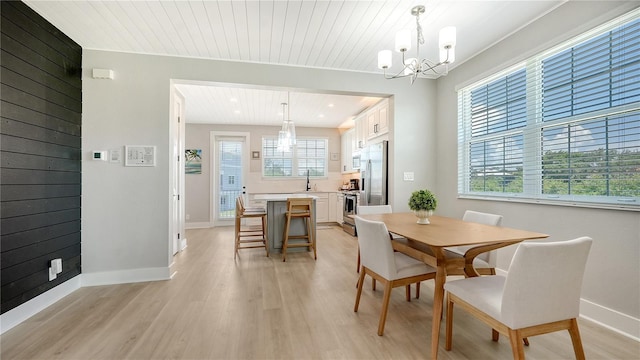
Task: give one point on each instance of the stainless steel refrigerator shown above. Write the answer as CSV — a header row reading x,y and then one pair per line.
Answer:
x,y
374,174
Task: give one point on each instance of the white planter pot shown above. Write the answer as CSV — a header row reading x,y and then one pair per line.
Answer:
x,y
423,216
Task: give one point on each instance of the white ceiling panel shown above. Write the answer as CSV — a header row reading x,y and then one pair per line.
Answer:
x,y
338,34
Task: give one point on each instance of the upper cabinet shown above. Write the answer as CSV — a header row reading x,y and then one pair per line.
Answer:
x,y
369,124
348,145
360,132
378,119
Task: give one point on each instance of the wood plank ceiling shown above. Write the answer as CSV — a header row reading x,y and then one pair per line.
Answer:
x,y
343,35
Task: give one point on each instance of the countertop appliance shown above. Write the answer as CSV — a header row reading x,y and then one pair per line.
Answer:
x,y
354,184
374,174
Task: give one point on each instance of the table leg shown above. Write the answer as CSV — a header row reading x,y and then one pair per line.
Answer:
x,y
438,298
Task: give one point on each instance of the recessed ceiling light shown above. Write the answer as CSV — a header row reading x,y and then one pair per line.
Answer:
x,y
237,111
330,105
321,115
233,100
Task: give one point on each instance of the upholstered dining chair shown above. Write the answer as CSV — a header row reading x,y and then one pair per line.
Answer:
x,y
381,209
372,209
379,261
485,263
539,295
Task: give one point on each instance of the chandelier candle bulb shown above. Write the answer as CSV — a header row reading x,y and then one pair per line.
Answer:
x,y
447,37
384,59
403,40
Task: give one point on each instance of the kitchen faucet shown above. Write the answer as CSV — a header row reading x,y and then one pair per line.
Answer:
x,y
308,187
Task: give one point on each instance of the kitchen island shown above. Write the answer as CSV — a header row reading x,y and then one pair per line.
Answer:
x,y
276,209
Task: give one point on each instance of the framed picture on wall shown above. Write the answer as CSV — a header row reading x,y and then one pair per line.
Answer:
x,y
255,154
193,161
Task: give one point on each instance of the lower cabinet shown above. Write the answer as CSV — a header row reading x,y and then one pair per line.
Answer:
x,y
333,198
322,207
339,207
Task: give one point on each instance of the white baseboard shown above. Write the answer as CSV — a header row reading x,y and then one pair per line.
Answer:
x,y
611,319
198,225
21,313
126,276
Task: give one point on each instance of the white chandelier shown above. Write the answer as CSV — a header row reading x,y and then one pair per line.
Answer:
x,y
286,135
412,66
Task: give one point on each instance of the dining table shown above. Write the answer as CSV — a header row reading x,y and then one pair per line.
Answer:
x,y
428,243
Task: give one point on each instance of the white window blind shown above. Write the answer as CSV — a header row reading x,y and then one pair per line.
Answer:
x,y
307,155
562,127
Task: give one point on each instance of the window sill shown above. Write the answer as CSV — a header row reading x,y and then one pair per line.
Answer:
x,y
567,203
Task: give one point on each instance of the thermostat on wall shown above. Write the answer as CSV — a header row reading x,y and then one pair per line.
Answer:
x,y
99,155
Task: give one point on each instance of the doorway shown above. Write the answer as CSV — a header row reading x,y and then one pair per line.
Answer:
x,y
230,160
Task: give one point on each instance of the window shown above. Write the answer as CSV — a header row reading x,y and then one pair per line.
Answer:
x,y
308,155
563,126
232,180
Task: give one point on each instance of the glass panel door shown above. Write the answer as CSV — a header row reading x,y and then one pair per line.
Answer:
x,y
230,172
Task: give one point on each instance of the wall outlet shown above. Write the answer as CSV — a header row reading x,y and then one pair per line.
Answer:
x,y
408,176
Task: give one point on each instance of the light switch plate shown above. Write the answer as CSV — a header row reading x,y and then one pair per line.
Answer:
x,y
408,176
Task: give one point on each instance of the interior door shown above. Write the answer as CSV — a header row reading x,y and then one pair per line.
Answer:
x,y
231,168
177,228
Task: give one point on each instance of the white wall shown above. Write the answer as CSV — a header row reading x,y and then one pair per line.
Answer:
x,y
125,210
198,186
612,282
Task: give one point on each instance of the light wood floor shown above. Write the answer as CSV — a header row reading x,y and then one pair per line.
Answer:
x,y
261,308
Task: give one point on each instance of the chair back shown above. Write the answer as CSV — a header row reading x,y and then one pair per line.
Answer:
x,y
376,252
373,209
299,205
544,282
482,218
239,206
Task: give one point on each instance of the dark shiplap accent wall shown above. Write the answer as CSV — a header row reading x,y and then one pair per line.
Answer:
x,y
40,151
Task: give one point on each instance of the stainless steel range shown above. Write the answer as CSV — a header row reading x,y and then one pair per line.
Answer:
x,y
350,208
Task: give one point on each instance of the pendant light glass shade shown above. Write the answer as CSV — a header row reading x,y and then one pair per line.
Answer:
x,y
286,135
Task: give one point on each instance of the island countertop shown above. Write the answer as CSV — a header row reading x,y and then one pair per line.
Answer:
x,y
282,197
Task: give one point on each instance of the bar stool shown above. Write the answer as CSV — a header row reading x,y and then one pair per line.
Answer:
x,y
299,208
250,234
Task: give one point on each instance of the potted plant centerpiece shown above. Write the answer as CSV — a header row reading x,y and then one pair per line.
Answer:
x,y
423,202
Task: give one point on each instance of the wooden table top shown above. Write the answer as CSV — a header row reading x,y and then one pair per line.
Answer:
x,y
445,231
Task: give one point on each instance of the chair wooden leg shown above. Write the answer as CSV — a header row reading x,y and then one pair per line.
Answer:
x,y
516,344
449,325
237,238
264,234
418,290
373,284
407,292
313,239
525,341
576,340
285,239
385,307
495,335
359,292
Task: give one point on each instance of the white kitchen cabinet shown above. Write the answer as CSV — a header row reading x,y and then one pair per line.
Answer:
x,y
347,141
361,132
378,120
333,199
339,207
322,207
